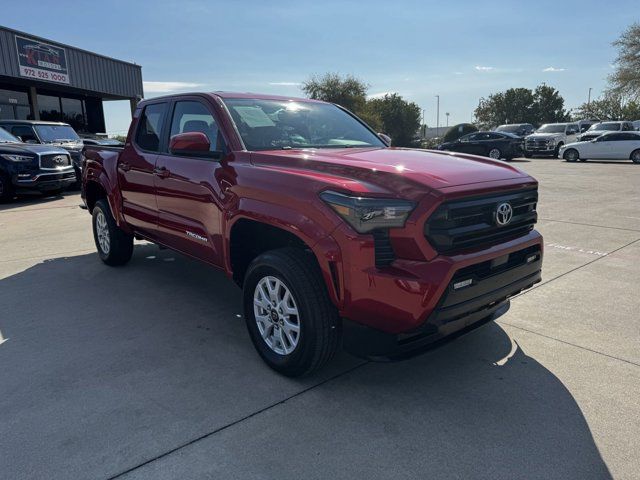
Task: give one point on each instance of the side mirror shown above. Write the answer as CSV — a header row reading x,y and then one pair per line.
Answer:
x,y
192,144
385,138
31,140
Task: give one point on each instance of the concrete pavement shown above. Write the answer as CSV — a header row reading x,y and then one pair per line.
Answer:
x,y
147,372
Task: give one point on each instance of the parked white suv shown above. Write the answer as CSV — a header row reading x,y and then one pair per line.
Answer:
x,y
599,128
549,138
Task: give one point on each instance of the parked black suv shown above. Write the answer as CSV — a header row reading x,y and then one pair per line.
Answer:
x,y
54,133
26,168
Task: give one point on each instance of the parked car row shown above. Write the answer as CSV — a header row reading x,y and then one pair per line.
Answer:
x,y
582,140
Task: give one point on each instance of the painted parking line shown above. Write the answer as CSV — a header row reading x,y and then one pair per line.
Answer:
x,y
576,249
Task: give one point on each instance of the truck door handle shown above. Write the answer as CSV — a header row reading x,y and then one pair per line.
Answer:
x,y
124,166
162,172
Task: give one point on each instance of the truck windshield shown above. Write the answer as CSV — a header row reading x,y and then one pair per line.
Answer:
x,y
281,124
605,126
552,128
6,137
56,133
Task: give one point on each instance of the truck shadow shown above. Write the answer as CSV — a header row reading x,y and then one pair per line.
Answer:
x,y
153,355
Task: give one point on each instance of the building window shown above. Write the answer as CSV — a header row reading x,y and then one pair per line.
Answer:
x,y
73,113
14,105
49,107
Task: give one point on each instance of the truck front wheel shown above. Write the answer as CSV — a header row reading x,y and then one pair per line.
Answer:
x,y
291,321
115,246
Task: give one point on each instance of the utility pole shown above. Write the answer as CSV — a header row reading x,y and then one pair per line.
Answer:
x,y
589,103
447,114
438,116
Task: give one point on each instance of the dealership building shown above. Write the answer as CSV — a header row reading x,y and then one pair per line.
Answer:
x,y
42,79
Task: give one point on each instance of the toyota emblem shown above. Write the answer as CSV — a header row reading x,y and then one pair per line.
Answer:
x,y
504,214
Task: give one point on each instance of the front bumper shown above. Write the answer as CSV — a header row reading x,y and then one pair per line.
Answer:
x,y
403,315
44,182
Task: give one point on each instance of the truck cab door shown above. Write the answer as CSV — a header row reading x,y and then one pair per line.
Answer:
x,y
136,164
190,197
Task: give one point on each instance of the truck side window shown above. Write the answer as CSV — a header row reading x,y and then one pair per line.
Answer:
x,y
191,116
150,127
25,133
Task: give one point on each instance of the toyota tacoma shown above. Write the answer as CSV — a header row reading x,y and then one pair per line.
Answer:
x,y
335,237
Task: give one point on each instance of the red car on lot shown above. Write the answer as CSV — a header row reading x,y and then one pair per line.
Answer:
x,y
334,236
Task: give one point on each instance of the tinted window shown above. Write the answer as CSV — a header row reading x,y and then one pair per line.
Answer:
x,y
620,137
195,117
7,137
25,132
150,127
493,136
627,126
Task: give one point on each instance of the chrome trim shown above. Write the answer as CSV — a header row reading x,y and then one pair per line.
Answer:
x,y
61,172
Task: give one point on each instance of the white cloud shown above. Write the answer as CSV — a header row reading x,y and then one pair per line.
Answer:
x,y
163,87
553,69
380,94
286,84
481,68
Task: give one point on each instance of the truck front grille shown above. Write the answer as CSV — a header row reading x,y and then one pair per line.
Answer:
x,y
534,144
54,162
471,222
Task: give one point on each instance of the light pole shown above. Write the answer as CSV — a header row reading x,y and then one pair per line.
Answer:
x,y
589,103
447,114
438,116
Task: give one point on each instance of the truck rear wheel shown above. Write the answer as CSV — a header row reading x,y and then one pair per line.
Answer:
x,y
115,246
291,321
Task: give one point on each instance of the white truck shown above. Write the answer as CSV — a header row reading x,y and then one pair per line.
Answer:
x,y
549,138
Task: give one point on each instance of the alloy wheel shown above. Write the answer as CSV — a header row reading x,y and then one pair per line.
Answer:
x,y
102,232
495,154
276,315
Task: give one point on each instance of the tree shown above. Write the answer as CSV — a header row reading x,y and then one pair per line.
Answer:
x,y
511,106
548,106
611,107
399,119
625,80
348,91
521,105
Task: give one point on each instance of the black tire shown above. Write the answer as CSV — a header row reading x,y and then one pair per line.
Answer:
x,y
120,243
6,188
528,155
571,155
635,156
319,325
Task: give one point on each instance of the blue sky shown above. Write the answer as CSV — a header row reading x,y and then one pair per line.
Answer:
x,y
461,50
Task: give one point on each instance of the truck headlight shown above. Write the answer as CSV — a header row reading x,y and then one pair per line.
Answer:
x,y
367,214
17,158
551,141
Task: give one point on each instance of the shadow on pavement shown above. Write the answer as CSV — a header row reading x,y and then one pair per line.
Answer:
x,y
106,368
35,199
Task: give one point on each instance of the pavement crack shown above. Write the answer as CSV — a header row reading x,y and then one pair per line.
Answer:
x,y
236,422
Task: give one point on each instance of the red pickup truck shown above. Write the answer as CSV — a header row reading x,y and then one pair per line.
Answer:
x,y
335,237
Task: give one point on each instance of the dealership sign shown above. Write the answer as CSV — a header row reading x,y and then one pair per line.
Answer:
x,y
42,61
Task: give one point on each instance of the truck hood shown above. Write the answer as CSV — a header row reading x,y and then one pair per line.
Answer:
x,y
404,172
20,148
542,136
